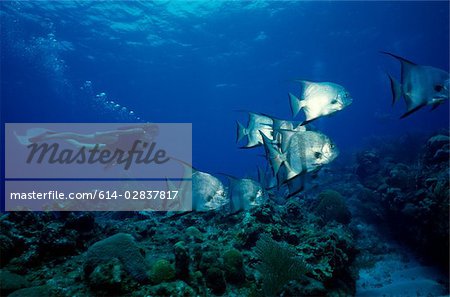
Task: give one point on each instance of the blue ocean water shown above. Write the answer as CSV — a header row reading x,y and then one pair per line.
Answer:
x,y
375,221
201,62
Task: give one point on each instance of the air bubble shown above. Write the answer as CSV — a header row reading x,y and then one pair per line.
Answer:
x,y
107,107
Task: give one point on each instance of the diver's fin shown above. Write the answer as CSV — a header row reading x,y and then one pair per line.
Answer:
x,y
396,89
240,133
296,104
33,135
410,111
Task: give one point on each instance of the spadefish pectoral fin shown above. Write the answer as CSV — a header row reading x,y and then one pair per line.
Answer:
x,y
296,104
435,103
240,132
306,122
396,89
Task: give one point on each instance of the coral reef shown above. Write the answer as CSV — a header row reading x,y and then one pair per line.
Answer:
x,y
209,253
10,282
331,207
413,198
313,244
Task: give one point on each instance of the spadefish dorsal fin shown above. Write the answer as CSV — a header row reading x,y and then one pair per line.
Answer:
x,y
231,179
188,167
270,117
227,175
295,104
304,82
406,64
398,58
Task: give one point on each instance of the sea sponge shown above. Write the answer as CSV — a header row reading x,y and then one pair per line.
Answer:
x,y
121,246
162,271
233,263
182,260
332,207
193,232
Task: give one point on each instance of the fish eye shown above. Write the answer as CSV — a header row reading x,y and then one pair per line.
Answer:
x,y
334,101
438,88
317,155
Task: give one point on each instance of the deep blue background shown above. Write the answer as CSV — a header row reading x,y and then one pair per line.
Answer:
x,y
199,62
